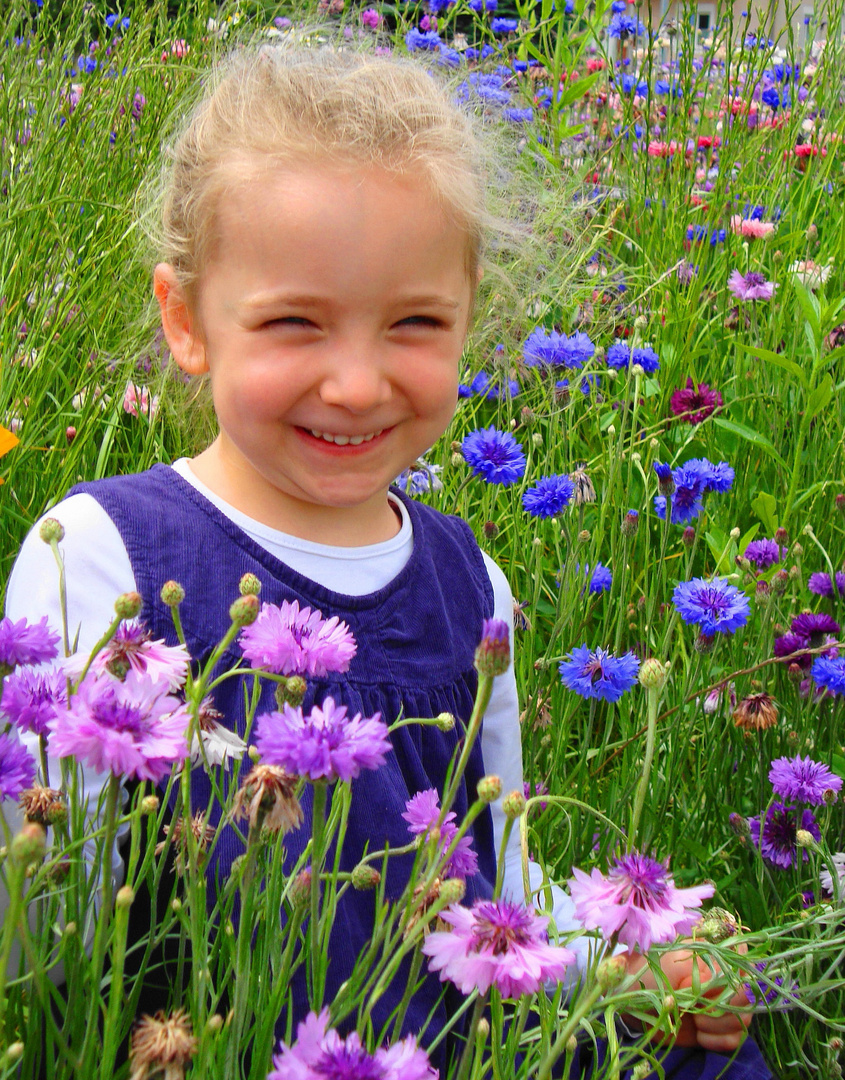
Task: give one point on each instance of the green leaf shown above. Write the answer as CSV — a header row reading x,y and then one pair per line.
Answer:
x,y
751,436
749,536
777,359
837,765
722,549
764,506
820,397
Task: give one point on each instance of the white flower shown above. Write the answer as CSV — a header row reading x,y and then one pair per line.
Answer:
x,y
811,274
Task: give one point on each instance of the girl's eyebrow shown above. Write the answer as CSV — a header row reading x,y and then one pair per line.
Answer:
x,y
306,300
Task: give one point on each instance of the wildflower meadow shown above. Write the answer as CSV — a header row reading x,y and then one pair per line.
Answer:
x,y
648,441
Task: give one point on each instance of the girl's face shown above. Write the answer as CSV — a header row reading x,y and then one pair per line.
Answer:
x,y
331,319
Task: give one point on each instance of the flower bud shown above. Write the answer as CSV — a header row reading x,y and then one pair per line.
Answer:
x,y
489,788
669,1002
29,845
244,611
526,416
457,459
214,1023
490,530
291,691
641,322
482,1029
150,804
537,440
805,839
705,643
780,582
740,826
513,804
452,890
70,929
652,674
781,536
584,536
365,877
14,1052
811,231
51,529
716,925
249,585
571,1044
829,797
839,502
761,593
445,721
630,523
688,536
493,655
300,891
797,550
125,897
175,905
641,1070
610,972
128,605
637,370
253,754
665,480
172,593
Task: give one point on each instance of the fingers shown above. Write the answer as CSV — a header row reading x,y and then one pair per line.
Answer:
x,y
721,1044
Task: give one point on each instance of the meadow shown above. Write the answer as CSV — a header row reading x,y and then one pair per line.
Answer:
x,y
648,441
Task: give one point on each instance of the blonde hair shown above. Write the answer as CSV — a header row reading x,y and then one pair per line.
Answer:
x,y
277,106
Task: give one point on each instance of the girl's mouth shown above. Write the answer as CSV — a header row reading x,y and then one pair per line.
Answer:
x,y
333,439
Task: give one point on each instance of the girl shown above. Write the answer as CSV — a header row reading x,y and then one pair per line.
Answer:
x,y
323,222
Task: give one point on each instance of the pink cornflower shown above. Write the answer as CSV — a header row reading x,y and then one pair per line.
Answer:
x,y
293,641
657,148
694,404
319,1054
371,18
129,728
496,943
637,901
751,286
132,648
421,813
137,401
755,230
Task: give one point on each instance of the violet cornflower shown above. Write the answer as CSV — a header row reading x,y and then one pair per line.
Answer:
x,y
803,780
30,698
823,585
599,674
26,643
693,404
751,286
17,767
764,553
496,943
775,835
421,813
131,728
326,745
319,1052
637,901
290,640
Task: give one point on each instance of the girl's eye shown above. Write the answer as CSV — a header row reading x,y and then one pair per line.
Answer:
x,y
419,320
290,320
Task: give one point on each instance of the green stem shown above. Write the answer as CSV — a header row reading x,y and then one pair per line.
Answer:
x,y
318,824
14,881
111,1032
482,700
642,788
570,1027
235,1045
469,1046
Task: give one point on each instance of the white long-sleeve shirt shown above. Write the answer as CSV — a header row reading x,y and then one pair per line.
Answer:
x,y
98,570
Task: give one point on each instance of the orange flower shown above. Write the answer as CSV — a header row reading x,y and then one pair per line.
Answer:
x,y
8,441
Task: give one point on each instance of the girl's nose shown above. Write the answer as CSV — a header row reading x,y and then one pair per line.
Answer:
x,y
357,384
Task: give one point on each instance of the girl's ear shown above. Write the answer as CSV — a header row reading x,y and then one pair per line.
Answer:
x,y
177,321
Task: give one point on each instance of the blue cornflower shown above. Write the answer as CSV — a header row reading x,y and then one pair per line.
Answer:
x,y
622,26
717,478
419,478
518,116
449,57
598,673
600,580
482,385
619,356
715,606
829,673
692,481
548,496
418,39
547,347
503,26
494,455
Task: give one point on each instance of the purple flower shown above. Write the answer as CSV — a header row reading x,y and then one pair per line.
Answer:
x,y
716,606
548,496
495,943
693,404
547,348
829,673
494,455
803,780
823,585
130,728
751,286
533,792
637,900
321,1054
26,643
421,813
293,641
768,990
132,647
776,837
692,481
599,674
325,745
17,767
788,644
30,697
814,627
764,553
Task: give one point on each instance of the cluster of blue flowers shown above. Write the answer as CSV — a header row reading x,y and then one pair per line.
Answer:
x,y
485,386
624,26
687,486
620,355
548,348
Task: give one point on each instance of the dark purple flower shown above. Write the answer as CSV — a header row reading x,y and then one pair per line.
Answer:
x,y
26,643
803,780
599,674
537,790
325,745
751,286
30,698
17,767
789,644
421,813
776,837
822,585
814,627
131,728
494,455
694,404
496,943
321,1054
549,496
764,553
716,606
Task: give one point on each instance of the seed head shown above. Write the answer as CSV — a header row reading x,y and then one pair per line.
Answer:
x,y
43,805
267,797
757,712
162,1044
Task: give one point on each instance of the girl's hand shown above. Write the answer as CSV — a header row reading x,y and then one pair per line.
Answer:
x,y
721,1031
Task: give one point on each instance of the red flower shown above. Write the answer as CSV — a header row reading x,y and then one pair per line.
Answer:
x,y
693,404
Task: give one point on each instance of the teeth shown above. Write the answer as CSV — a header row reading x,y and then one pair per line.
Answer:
x,y
344,440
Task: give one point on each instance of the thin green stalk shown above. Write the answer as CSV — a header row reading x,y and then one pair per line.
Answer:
x,y
652,700
318,825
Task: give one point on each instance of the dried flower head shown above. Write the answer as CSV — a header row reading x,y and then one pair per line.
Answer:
x,y
756,712
162,1044
202,833
267,797
43,804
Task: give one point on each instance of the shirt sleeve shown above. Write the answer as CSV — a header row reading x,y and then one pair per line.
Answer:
x,y
501,748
